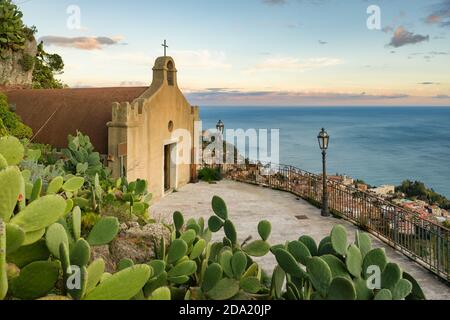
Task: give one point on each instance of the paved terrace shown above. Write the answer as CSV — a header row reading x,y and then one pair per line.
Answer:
x,y
248,204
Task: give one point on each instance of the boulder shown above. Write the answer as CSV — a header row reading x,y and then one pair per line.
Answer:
x,y
134,242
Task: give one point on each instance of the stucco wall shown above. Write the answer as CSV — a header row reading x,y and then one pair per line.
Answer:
x,y
144,126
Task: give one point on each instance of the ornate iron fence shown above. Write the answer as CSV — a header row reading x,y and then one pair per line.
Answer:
x,y
421,240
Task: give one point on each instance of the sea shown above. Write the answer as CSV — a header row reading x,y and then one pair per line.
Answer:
x,y
380,145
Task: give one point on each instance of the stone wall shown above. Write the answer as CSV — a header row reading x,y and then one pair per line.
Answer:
x,y
12,73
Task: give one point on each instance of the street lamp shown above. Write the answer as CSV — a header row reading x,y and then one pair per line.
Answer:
x,y
324,140
220,127
220,130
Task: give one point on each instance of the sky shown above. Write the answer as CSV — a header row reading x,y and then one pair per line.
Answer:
x,y
257,52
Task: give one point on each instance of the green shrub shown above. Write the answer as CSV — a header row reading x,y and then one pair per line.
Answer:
x,y
46,66
13,32
209,175
27,62
12,122
82,158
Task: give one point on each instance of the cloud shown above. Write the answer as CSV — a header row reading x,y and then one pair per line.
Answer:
x,y
429,55
82,43
275,2
133,84
234,95
294,64
283,2
429,83
404,37
442,96
440,14
322,42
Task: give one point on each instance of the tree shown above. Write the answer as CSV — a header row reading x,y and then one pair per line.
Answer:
x,y
419,191
46,66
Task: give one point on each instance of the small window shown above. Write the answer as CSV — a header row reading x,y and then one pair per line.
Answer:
x,y
170,73
170,126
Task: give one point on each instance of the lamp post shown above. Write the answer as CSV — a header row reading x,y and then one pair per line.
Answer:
x,y
324,140
220,132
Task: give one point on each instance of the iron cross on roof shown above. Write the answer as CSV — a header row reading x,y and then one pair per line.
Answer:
x,y
165,48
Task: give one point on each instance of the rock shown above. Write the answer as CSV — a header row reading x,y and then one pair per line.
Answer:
x,y
138,243
104,253
12,73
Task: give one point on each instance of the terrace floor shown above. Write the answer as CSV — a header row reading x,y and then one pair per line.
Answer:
x,y
248,204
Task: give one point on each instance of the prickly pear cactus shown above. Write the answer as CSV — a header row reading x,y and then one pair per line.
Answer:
x,y
40,213
3,265
36,280
104,231
123,285
11,186
12,150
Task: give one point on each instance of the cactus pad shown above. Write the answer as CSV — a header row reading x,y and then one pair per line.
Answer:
x,y
402,289
264,229
238,264
161,294
339,240
250,285
198,249
95,271
186,268
299,251
258,248
178,220
12,150
55,236
55,185
354,261
80,254
320,275
15,237
40,213
35,280
104,231
123,285
391,276
220,208
375,257
212,276
230,231
177,250
225,289
288,263
341,289
215,224
11,186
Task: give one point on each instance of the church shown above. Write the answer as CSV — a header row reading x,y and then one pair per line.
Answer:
x,y
132,127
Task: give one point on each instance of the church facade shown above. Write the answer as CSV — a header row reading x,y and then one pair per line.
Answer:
x,y
143,139
143,133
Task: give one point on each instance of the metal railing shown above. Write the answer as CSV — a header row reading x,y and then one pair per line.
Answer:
x,y
420,239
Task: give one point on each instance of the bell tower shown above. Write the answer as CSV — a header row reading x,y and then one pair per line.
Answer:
x,y
164,72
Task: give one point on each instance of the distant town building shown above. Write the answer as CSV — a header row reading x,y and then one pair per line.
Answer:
x,y
362,187
384,190
345,180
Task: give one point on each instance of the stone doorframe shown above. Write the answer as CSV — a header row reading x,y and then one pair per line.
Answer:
x,y
173,143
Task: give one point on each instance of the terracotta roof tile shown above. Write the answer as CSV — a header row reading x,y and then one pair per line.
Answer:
x,y
69,110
